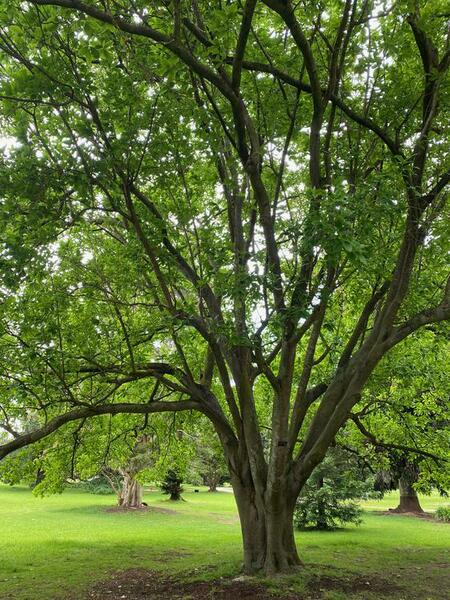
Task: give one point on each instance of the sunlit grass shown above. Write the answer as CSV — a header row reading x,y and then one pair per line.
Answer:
x,y
390,500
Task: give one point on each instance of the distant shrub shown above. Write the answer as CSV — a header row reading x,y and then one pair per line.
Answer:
x,y
326,500
172,485
443,514
325,508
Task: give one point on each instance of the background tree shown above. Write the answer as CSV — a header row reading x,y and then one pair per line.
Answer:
x,y
403,420
172,485
208,466
212,466
268,197
328,497
144,455
403,475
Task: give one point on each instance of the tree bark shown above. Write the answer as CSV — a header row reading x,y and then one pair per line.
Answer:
x,y
269,543
409,501
131,493
267,531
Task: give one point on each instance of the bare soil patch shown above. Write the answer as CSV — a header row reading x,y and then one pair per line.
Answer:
x,y
394,513
142,584
374,583
141,509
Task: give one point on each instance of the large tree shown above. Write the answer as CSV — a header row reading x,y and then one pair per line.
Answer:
x,y
259,186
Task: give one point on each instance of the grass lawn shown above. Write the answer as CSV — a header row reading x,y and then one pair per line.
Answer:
x,y
56,547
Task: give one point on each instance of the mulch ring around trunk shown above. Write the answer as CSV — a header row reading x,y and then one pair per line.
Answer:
x,y
392,512
142,584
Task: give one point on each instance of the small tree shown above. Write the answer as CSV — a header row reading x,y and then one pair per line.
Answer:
x,y
143,457
212,467
172,485
326,499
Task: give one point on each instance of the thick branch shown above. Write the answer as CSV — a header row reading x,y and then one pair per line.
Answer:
x,y
430,62
241,43
361,325
286,12
91,411
299,412
378,443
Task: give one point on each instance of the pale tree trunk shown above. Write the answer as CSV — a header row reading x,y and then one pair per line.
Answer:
x,y
131,492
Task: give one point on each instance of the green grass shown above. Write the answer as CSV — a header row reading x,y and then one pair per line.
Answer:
x,y
63,543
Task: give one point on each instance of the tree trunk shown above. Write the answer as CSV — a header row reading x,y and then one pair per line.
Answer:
x,y
409,501
268,533
131,493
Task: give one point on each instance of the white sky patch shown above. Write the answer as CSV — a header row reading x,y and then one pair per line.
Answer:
x,y
8,144
86,257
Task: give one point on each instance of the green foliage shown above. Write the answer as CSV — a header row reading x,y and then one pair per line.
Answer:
x,y
21,467
101,485
443,514
211,466
405,408
327,498
172,485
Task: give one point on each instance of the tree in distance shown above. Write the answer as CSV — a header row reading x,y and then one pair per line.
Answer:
x,y
172,485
